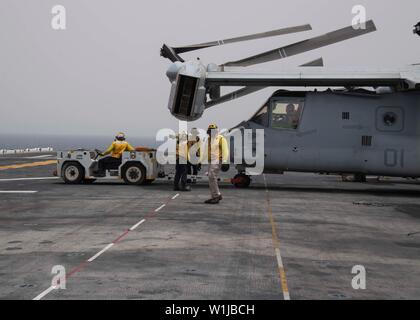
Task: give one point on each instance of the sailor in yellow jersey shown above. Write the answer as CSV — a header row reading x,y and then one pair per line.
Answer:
x,y
116,150
181,168
218,159
194,154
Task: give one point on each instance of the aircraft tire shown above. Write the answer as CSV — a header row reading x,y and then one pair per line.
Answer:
x,y
241,181
360,177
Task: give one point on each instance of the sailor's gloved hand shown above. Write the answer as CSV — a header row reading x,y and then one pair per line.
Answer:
x,y
225,167
199,167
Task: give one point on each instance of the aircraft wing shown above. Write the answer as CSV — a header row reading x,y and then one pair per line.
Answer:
x,y
315,78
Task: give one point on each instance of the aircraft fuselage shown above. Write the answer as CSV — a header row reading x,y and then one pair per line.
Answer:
x,y
344,132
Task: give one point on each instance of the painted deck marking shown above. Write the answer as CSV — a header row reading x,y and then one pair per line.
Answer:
x,y
101,252
28,165
28,179
18,191
276,244
137,225
109,246
160,208
41,157
44,293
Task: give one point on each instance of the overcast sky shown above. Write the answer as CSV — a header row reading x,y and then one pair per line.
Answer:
x,y
104,73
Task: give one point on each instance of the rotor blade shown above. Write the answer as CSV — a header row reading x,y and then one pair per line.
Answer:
x,y
273,33
315,63
233,95
304,46
168,52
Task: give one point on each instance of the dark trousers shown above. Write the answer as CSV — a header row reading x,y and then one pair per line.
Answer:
x,y
180,175
192,169
108,163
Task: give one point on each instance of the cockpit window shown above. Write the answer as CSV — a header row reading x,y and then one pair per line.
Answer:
x,y
261,117
286,115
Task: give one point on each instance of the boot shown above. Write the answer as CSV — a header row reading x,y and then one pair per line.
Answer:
x,y
213,201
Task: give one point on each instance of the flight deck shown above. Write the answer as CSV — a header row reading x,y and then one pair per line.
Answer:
x,y
291,236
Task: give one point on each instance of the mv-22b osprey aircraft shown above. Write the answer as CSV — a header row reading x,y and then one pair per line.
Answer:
x,y
362,123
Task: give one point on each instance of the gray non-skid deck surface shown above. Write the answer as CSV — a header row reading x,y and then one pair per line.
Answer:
x,y
189,250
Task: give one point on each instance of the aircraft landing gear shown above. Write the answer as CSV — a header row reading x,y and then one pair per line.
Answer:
x,y
241,180
360,177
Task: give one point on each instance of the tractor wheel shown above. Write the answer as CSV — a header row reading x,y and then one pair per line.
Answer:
x,y
134,174
73,173
241,181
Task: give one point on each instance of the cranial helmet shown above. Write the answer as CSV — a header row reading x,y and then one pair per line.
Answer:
x,y
120,136
212,129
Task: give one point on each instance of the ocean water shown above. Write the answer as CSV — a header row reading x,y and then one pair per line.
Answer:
x,y
67,142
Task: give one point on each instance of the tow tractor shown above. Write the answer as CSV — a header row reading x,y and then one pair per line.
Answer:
x,y
81,166
138,167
